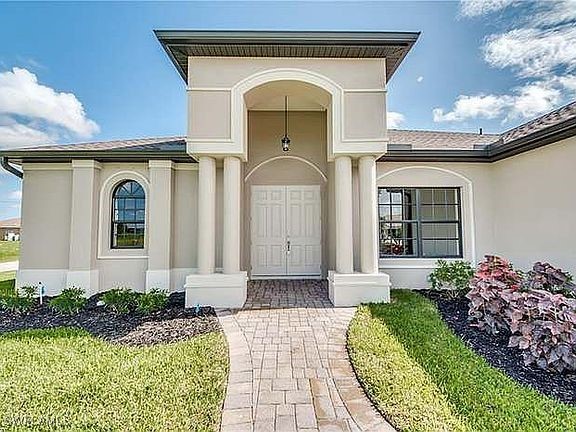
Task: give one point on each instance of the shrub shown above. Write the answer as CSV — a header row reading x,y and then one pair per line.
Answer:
x,y
152,301
19,301
120,300
69,302
543,326
487,306
544,276
453,277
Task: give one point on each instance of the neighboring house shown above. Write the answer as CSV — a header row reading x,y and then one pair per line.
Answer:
x,y
351,201
10,229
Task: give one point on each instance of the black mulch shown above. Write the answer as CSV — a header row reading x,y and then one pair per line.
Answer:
x,y
172,324
494,348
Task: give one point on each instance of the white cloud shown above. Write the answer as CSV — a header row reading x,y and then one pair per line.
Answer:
x,y
32,113
472,8
19,135
532,52
525,102
420,78
540,51
395,119
16,195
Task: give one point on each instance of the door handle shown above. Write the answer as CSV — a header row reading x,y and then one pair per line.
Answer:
x,y
288,246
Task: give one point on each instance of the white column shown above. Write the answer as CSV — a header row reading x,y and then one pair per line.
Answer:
x,y
206,214
343,198
368,215
82,270
231,232
159,224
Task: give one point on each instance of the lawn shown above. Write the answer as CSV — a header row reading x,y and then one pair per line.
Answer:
x,y
65,379
9,251
7,282
424,378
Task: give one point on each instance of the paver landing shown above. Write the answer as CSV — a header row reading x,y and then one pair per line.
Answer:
x,y
289,367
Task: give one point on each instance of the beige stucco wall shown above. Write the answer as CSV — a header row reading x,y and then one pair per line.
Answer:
x,y
475,181
46,226
354,94
308,146
46,204
534,206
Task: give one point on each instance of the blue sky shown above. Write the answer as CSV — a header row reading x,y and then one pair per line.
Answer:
x,y
95,70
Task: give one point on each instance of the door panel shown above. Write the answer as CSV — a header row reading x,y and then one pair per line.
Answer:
x,y
286,231
303,230
268,230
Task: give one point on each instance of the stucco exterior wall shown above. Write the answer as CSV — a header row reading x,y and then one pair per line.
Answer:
x,y
534,206
269,165
46,226
46,204
476,183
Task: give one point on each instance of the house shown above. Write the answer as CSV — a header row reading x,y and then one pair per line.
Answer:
x,y
10,229
288,170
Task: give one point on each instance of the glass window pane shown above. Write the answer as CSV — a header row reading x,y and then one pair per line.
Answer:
x,y
396,196
440,230
383,196
426,196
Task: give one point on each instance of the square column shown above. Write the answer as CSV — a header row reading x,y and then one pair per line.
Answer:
x,y
227,289
82,267
206,214
347,288
343,197
159,224
368,215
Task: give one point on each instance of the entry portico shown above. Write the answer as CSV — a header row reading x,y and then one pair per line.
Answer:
x,y
300,201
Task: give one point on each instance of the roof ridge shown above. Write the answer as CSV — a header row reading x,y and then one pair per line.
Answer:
x,y
441,131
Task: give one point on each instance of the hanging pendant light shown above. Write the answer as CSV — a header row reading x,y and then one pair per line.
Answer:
x,y
285,140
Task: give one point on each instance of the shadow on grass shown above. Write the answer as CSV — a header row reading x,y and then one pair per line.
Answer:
x,y
484,397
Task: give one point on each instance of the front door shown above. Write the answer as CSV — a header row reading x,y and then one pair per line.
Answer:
x,y
286,231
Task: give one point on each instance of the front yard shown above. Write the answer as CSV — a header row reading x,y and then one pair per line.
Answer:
x,y
101,370
9,251
422,377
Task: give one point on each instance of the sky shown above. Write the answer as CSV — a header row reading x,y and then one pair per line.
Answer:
x,y
85,71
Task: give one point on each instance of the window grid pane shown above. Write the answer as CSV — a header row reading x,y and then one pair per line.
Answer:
x,y
420,222
128,216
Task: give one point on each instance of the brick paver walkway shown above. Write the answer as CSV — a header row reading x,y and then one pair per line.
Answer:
x,y
289,368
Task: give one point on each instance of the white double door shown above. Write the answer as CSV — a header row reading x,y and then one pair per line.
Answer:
x,y
286,231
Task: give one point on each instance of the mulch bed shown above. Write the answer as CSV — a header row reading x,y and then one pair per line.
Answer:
x,y
494,348
172,324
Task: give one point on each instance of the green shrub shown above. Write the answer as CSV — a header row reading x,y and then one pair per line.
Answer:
x,y
451,276
19,302
152,301
120,300
69,302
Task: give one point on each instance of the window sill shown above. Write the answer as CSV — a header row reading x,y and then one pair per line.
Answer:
x,y
412,263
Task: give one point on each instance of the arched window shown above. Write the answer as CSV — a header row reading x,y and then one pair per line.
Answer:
x,y
128,216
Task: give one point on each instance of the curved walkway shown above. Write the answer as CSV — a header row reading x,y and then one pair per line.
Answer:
x,y
289,368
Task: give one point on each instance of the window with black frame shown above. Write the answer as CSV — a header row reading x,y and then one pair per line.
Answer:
x,y
128,216
420,222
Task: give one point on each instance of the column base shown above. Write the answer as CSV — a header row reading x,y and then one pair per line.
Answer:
x,y
158,279
88,280
356,288
218,290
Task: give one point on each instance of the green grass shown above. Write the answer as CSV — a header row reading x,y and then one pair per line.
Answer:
x,y
423,378
9,251
7,283
64,379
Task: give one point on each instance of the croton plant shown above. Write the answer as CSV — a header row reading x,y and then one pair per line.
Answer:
x,y
533,308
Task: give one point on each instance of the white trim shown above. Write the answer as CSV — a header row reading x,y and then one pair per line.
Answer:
x,y
470,186
104,217
186,166
46,166
208,89
298,158
86,163
54,280
366,90
238,109
156,163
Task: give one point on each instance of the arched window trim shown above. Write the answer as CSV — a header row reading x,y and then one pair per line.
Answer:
x,y
128,211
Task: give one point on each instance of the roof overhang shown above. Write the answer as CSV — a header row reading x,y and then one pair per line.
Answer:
x,y
181,44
